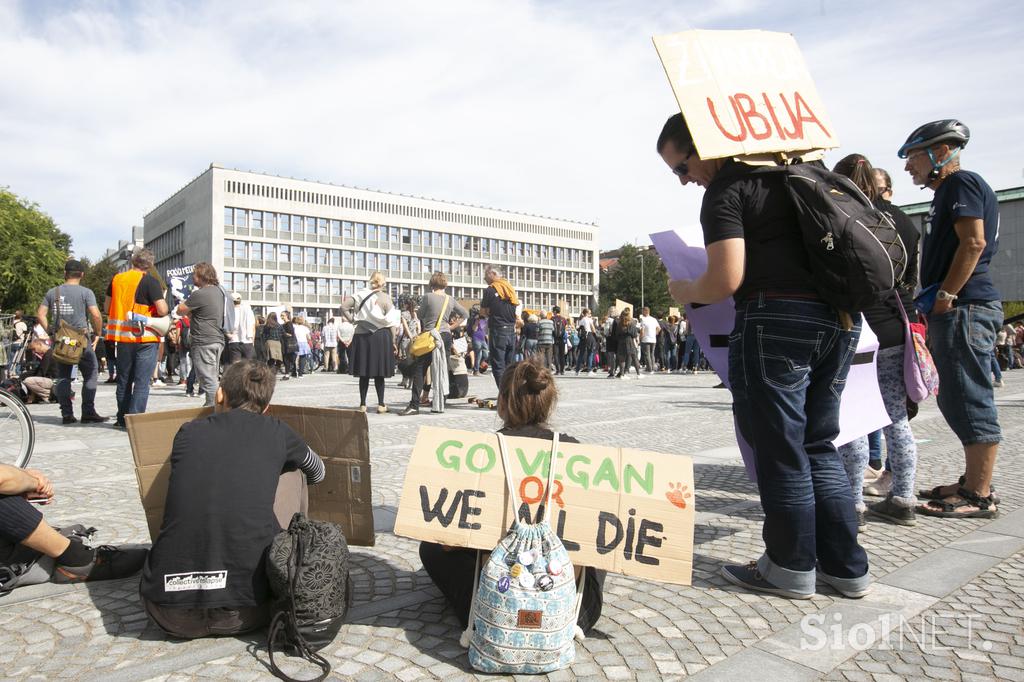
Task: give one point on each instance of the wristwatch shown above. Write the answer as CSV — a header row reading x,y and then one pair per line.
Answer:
x,y
944,295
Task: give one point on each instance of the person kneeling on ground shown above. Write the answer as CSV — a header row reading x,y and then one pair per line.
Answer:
x,y
526,400
22,525
226,500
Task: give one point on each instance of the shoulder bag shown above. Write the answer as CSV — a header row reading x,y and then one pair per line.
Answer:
x,y
424,342
68,343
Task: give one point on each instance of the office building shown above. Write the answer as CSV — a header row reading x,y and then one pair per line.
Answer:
x,y
285,242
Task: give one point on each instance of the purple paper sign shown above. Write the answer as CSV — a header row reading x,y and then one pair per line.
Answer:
x,y
861,410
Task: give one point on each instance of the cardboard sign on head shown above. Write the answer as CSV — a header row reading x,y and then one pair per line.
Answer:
x,y
745,93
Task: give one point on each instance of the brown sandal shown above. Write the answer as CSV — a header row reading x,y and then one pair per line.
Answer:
x,y
936,492
943,508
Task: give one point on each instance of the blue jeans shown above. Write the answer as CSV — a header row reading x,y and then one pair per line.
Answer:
x,y
997,372
691,351
89,367
961,342
479,350
585,354
875,449
502,343
135,365
788,361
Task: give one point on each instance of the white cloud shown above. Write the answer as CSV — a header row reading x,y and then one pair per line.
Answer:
x,y
538,107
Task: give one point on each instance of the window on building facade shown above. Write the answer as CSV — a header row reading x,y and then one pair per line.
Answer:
x,y
229,248
321,226
347,258
335,287
240,249
268,252
360,231
229,215
335,258
257,220
282,283
346,228
335,228
322,257
371,232
310,255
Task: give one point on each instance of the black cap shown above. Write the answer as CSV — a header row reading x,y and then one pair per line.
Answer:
x,y
74,266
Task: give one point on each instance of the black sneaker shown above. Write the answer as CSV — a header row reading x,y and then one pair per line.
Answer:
x,y
68,419
894,513
749,577
862,520
409,409
93,419
110,563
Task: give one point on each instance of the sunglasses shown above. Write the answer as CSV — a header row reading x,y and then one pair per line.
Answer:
x,y
683,167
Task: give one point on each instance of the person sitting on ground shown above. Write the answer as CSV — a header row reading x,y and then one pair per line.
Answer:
x,y
526,400
22,525
226,500
40,372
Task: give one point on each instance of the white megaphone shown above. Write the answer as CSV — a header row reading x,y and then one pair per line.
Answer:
x,y
156,325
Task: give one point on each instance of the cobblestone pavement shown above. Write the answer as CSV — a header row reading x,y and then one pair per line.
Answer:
x,y
948,602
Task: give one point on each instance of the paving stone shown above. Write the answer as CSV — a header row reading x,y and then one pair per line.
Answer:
x,y
648,630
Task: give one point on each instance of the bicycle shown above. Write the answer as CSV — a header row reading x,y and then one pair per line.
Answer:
x,y
17,432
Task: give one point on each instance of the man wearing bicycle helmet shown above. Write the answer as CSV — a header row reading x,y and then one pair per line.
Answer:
x,y
960,237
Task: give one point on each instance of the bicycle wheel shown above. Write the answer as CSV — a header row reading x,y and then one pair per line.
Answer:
x,y
17,433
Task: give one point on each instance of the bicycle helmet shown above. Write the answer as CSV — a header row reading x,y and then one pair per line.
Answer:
x,y
947,130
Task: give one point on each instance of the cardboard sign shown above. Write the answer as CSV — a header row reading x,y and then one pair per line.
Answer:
x,y
622,510
861,410
340,437
745,93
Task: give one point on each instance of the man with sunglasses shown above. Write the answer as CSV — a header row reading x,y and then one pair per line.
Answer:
x,y
789,355
960,238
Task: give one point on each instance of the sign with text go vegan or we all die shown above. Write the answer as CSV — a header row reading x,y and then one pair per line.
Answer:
x,y
622,510
745,93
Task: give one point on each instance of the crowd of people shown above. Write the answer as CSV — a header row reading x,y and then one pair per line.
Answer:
x,y
789,355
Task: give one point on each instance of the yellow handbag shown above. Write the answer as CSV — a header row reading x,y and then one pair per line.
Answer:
x,y
424,343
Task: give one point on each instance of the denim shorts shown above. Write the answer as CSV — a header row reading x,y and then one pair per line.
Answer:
x,y
962,342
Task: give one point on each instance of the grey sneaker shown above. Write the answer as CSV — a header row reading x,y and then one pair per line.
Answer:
x,y
749,577
896,513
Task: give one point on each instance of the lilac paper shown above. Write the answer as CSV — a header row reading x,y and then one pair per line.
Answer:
x,y
861,410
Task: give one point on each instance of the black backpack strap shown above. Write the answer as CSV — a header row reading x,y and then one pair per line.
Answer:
x,y
286,620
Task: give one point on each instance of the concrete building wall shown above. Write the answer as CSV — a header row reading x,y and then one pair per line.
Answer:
x,y
233,219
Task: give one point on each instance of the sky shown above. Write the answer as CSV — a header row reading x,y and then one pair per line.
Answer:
x,y
548,108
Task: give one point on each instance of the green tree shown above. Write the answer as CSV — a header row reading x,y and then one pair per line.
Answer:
x,y
33,253
97,277
623,281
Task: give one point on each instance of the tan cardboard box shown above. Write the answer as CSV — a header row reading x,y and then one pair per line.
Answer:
x,y
340,437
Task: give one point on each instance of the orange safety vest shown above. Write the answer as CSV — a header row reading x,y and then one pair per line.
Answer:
x,y
122,304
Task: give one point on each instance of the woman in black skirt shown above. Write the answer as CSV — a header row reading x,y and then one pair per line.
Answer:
x,y
373,345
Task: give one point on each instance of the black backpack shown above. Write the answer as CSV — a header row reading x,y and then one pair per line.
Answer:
x,y
559,322
307,566
856,254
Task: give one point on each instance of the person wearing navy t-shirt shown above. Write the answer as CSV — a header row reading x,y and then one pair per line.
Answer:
x,y
960,237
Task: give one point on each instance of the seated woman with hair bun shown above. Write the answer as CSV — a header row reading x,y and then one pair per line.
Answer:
x,y
237,476
526,399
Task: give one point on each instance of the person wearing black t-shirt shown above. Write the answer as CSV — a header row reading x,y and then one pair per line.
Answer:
x,y
206,572
499,305
961,236
789,355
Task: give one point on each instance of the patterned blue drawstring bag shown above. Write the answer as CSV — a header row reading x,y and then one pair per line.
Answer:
x,y
525,601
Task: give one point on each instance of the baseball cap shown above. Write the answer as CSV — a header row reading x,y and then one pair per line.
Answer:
x,y
73,265
236,297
